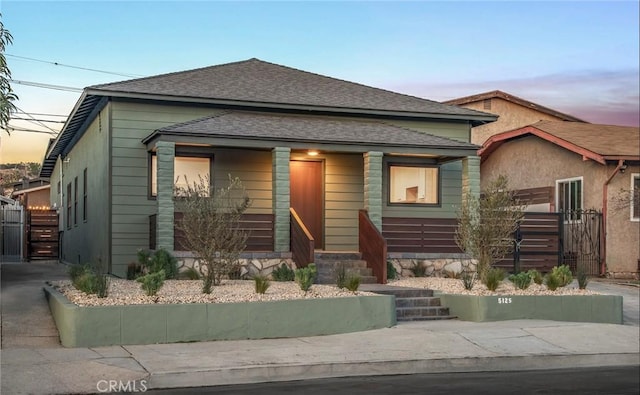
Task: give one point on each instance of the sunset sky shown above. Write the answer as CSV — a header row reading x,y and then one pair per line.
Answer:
x,y
578,57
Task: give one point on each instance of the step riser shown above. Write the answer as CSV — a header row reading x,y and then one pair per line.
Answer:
x,y
422,312
332,280
334,264
336,256
409,293
418,302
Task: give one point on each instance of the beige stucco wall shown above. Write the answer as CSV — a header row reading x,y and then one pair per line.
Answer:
x,y
530,162
511,116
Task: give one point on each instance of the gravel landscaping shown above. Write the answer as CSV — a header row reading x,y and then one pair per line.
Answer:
x,y
125,292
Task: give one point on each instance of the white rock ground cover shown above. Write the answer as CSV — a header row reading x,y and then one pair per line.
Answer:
x,y
127,292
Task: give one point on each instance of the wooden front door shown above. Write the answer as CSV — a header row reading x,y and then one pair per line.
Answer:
x,y
307,196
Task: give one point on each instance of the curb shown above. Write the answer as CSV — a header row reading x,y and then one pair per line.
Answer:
x,y
270,373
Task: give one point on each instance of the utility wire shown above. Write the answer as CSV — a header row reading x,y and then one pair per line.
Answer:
x,y
73,67
48,115
39,120
33,120
46,86
19,129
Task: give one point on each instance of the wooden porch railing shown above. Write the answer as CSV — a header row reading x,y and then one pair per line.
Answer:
x,y
420,235
302,243
372,246
259,226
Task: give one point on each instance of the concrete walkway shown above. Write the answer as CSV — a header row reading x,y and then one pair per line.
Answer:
x,y
31,365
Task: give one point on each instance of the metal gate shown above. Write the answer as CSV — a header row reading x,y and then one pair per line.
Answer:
x,y
12,233
582,240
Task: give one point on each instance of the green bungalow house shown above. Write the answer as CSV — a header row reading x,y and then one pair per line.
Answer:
x,y
330,165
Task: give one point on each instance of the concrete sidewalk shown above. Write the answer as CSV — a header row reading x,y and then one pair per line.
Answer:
x,y
413,347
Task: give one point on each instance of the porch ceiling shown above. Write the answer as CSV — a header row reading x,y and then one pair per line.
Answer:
x,y
252,129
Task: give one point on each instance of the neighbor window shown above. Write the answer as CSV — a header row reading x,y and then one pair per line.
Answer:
x,y
186,169
413,184
569,198
635,197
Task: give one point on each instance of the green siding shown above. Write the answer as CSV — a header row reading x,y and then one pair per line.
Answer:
x,y
86,242
460,131
131,206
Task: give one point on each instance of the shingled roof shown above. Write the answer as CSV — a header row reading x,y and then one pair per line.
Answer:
x,y
317,129
593,141
257,81
513,99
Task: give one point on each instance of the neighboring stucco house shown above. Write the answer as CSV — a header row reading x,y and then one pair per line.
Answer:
x,y
32,194
513,113
324,147
577,166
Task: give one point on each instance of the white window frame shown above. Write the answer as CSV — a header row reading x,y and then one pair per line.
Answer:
x,y
566,180
634,176
153,171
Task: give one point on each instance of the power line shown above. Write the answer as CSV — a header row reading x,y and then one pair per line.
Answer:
x,y
40,120
74,67
19,129
33,120
47,115
46,86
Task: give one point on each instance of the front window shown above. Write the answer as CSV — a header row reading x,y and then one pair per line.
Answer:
x,y
187,170
569,198
413,184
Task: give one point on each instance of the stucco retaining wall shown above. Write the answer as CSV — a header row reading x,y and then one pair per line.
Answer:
x,y
174,323
574,308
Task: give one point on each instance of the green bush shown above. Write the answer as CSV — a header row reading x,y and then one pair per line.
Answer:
x,y
353,282
552,281
152,282
262,283
536,276
392,273
341,276
493,278
521,280
154,262
305,276
101,287
77,271
191,273
86,283
90,280
419,269
134,270
563,272
582,277
283,273
468,279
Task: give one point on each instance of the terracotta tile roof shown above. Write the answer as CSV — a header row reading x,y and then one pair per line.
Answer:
x,y
258,81
276,127
514,99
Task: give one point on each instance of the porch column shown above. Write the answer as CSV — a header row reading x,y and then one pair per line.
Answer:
x,y
471,177
373,186
165,153
280,177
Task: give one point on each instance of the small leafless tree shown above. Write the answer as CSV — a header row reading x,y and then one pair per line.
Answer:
x,y
210,223
624,199
486,225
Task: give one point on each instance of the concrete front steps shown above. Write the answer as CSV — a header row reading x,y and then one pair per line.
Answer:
x,y
327,264
413,304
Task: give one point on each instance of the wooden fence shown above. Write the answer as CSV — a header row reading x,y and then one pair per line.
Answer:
x,y
420,235
42,234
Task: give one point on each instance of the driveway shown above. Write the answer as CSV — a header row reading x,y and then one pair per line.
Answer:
x,y
630,298
25,319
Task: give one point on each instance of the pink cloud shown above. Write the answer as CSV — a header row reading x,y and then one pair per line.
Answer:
x,y
607,97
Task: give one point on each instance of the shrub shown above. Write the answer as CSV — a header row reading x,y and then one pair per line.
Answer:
x,y
153,262
305,276
353,282
191,273
468,279
451,274
341,276
392,273
563,272
536,276
152,282
134,270
77,271
582,277
86,282
235,273
262,283
101,286
419,269
283,273
90,280
552,281
493,278
521,280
